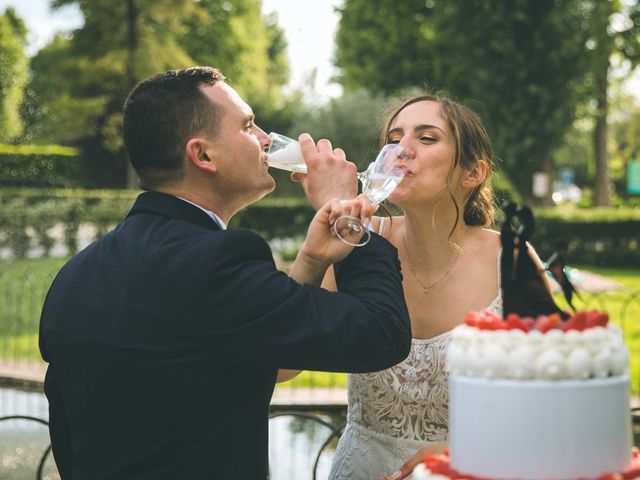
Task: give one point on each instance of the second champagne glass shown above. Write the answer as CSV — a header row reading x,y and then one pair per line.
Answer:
x,y
378,181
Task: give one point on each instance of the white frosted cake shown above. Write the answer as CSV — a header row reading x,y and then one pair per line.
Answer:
x,y
536,400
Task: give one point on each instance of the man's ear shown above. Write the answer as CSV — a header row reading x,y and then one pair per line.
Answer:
x,y
476,175
201,154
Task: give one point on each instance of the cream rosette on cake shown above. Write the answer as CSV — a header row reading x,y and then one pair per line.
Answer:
x,y
596,352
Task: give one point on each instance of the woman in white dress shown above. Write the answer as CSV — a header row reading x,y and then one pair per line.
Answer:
x,y
450,264
450,267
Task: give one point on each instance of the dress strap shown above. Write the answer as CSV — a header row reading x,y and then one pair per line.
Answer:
x,y
499,272
381,225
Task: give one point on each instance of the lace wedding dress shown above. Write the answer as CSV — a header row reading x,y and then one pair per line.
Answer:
x,y
394,412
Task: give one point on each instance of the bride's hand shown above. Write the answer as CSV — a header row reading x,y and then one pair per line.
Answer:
x,y
408,466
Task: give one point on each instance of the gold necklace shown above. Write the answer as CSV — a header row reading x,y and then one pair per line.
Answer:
x,y
426,289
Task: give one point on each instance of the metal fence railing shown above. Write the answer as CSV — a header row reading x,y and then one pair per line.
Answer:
x,y
301,445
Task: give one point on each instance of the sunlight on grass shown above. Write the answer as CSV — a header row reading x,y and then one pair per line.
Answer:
x,y
317,380
20,347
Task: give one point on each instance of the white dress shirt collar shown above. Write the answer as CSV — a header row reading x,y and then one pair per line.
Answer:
x,y
213,216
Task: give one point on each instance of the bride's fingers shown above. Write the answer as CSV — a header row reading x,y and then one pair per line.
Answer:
x,y
334,211
356,207
347,228
360,208
343,228
367,209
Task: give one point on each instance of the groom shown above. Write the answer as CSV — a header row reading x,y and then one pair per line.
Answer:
x,y
164,337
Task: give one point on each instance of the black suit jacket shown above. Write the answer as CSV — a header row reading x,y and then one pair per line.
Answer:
x,y
164,338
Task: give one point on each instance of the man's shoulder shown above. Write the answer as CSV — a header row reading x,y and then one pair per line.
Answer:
x,y
236,236
235,243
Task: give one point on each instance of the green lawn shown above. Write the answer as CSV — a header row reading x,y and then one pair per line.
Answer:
x,y
23,287
24,283
623,307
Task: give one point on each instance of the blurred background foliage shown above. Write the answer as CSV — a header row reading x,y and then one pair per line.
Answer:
x,y
543,74
34,219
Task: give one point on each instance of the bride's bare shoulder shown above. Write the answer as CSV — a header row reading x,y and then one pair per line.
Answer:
x,y
488,234
485,239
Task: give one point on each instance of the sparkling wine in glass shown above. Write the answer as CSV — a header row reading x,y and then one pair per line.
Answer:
x,y
285,154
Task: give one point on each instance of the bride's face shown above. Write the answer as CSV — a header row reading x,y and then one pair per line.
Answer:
x,y
422,129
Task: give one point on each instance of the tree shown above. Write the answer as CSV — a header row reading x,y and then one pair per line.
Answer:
x,y
357,135
13,74
119,44
384,46
624,138
249,49
55,108
85,78
518,63
601,53
616,32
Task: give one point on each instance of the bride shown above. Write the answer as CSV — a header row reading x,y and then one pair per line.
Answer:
x,y
450,267
450,264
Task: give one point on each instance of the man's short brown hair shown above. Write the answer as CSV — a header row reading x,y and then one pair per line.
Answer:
x,y
161,114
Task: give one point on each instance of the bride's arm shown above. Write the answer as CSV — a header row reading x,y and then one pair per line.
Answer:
x,y
285,375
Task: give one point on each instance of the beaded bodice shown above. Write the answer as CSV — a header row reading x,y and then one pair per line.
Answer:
x,y
409,400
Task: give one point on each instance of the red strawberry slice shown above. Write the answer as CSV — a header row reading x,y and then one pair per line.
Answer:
x,y
577,322
611,476
434,462
632,473
597,319
530,322
545,323
472,318
514,322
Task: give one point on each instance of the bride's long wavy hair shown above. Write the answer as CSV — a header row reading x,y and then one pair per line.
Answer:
x,y
472,144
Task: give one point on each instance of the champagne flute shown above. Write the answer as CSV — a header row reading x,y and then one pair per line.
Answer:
x,y
285,154
380,178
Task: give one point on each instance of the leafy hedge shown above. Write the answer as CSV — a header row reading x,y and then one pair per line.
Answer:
x,y
28,216
596,236
39,166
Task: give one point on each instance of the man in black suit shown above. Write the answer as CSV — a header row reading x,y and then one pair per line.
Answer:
x,y
164,337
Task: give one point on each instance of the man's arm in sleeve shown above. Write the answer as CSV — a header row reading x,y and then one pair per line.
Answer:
x,y
269,318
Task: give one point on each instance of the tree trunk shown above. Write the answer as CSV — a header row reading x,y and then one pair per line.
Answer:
x,y
602,53
132,45
601,190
